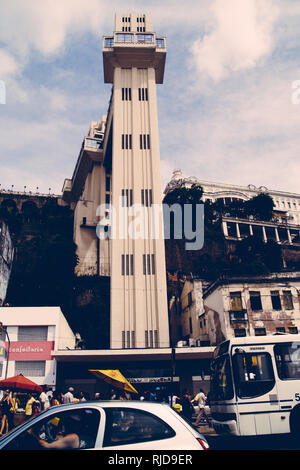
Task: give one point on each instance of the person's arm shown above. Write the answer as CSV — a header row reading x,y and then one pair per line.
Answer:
x,y
71,441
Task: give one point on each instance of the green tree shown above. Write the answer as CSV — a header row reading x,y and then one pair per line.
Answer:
x,y
261,207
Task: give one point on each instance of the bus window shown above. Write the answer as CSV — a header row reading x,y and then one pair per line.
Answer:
x,y
287,357
253,374
221,383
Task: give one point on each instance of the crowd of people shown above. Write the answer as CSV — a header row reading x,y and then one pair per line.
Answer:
x,y
33,403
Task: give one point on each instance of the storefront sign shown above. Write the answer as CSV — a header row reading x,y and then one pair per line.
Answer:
x,y
150,380
31,350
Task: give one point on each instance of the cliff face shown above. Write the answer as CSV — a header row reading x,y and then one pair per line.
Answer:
x,y
6,259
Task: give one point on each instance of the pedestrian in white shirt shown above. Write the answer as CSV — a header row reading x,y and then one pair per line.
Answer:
x,y
44,399
201,399
69,396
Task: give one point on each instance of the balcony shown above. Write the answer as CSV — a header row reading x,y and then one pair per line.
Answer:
x,y
134,49
90,143
238,316
119,39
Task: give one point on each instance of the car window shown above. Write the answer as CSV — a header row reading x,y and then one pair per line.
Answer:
x,y
127,426
76,429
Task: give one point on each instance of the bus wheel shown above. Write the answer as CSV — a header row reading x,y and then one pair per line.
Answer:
x,y
295,423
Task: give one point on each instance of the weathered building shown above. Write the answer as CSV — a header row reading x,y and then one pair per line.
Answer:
x,y
6,259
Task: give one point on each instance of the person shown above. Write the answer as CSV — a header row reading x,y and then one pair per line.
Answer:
x,y
187,406
71,438
173,400
29,406
69,396
44,399
15,405
113,395
55,399
97,396
200,398
6,405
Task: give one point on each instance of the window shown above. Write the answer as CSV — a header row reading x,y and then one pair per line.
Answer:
x,y
150,339
124,38
287,300
83,422
32,333
108,183
236,301
149,264
145,141
146,197
293,330
280,329
276,302
145,38
30,368
109,42
191,325
128,340
287,356
255,301
221,387
129,426
127,266
126,141
127,197
239,332
253,374
160,43
143,94
126,94
260,331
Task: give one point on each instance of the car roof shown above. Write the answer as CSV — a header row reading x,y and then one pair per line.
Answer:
x,y
113,403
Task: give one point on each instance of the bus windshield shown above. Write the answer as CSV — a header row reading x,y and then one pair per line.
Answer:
x,y
253,374
221,383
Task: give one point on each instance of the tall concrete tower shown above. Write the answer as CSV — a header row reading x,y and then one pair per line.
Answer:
x,y
134,61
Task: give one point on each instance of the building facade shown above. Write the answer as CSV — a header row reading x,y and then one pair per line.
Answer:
x,y
239,306
116,185
284,228
33,333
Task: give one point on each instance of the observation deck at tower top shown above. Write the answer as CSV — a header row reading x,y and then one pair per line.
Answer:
x,y
134,49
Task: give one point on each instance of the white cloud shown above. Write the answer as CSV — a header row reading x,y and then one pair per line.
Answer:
x,y
8,65
44,25
239,37
250,135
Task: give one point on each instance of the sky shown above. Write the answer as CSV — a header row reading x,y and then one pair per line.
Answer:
x,y
229,110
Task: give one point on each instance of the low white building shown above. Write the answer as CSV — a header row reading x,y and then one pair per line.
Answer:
x,y
33,333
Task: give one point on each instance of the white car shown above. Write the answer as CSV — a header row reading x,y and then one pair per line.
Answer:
x,y
108,425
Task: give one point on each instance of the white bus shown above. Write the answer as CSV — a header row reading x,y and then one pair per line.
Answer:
x,y
255,385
